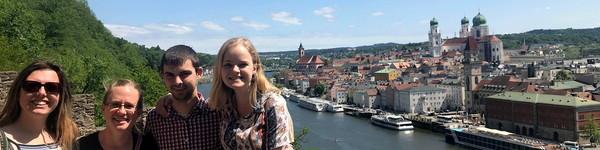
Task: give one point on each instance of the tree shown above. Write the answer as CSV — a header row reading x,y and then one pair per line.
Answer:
x,y
592,130
563,75
320,89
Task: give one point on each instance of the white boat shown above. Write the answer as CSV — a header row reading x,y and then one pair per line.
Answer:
x,y
488,139
311,104
335,108
295,97
392,122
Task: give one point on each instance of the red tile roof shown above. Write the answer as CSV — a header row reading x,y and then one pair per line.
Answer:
x,y
315,59
455,41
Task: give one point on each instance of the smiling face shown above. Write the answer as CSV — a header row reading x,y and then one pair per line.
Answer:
x,y
120,111
181,80
40,100
237,68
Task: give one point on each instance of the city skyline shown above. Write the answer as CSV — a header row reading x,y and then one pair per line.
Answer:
x,y
282,25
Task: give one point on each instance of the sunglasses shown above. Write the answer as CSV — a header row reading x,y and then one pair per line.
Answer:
x,y
34,86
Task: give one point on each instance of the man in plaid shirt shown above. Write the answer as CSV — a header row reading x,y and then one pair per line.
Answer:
x,y
189,123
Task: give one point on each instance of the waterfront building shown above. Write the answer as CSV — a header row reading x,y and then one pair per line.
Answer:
x,y
552,117
498,85
421,99
390,96
455,96
364,98
338,94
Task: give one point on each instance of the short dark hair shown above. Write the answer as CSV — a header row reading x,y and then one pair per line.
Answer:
x,y
177,55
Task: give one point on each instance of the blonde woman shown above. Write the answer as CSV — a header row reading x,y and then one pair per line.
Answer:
x,y
255,115
37,114
121,107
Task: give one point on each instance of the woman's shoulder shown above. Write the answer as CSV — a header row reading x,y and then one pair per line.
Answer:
x,y
274,99
89,141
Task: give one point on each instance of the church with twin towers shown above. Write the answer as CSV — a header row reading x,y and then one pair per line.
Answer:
x,y
489,47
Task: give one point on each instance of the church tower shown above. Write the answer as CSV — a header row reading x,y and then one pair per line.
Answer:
x,y
435,39
472,75
464,28
300,51
480,29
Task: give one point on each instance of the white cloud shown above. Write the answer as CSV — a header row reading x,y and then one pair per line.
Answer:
x,y
172,28
547,7
286,18
125,30
237,19
377,14
256,25
326,12
212,26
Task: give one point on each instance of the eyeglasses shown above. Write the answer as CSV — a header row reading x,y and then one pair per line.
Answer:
x,y
34,86
129,108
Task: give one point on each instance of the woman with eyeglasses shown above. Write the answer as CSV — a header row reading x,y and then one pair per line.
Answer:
x,y
37,114
122,105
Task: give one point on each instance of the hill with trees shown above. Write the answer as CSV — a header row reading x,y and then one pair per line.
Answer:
x,y
66,32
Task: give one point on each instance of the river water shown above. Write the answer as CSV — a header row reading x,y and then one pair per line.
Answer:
x,y
333,131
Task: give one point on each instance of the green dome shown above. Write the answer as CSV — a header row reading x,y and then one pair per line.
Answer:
x,y
433,22
464,20
478,20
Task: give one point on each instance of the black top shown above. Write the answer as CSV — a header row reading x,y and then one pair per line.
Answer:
x,y
91,142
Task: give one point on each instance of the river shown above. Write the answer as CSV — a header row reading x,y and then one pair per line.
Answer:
x,y
333,131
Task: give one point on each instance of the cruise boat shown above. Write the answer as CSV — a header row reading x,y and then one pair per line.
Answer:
x,y
392,121
488,139
311,104
335,108
295,97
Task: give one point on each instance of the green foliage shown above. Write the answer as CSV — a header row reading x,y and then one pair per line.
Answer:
x,y
299,138
563,75
591,129
67,33
578,43
320,89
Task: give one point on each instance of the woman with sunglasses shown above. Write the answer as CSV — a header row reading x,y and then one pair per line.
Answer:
x,y
121,107
37,114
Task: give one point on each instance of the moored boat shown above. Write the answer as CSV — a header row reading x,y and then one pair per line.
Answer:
x,y
392,121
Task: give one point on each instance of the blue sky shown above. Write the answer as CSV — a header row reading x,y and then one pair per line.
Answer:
x,y
280,25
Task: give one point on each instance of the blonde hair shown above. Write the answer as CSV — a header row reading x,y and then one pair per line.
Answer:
x,y
220,93
59,122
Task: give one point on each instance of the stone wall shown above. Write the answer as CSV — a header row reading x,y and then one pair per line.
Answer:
x,y
83,106
6,79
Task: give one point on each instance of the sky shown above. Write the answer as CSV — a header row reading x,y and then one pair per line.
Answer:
x,y
281,25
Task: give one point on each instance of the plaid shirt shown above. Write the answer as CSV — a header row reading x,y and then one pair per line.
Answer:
x,y
199,131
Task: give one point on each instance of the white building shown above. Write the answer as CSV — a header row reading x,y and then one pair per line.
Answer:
x,y
455,96
364,98
422,99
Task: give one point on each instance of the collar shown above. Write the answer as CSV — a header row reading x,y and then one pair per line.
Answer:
x,y
200,104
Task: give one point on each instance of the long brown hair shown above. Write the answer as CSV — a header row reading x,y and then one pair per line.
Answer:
x,y
59,123
220,93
